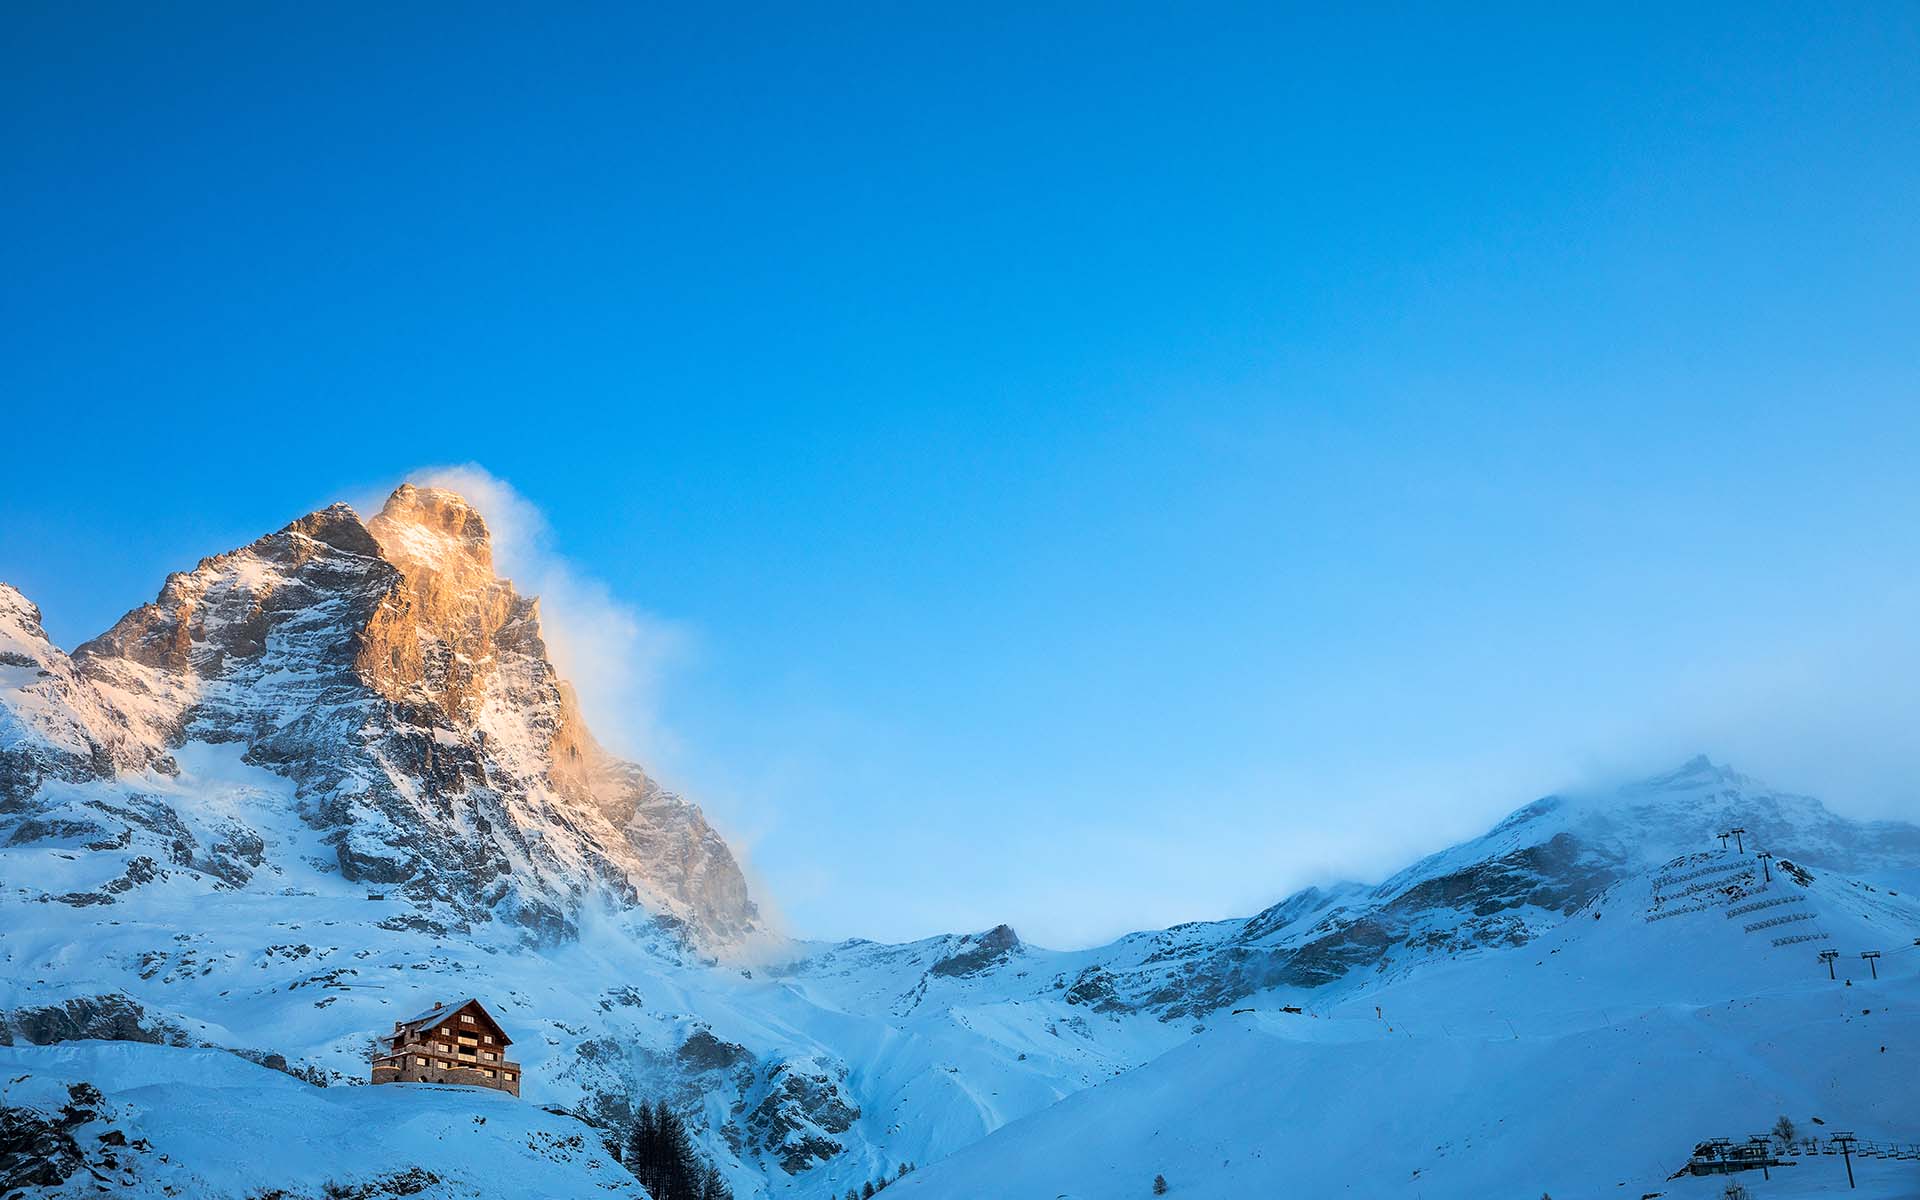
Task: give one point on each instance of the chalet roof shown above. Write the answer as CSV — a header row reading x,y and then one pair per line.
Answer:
x,y
441,1012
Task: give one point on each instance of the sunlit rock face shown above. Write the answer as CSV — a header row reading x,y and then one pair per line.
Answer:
x,y
442,639
405,688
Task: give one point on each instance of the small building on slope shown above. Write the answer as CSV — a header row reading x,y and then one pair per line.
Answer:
x,y
449,1043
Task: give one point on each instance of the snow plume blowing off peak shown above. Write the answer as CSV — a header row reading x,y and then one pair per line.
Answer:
x,y
602,659
614,656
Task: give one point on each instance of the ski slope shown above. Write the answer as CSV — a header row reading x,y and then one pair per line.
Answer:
x,y
1587,1063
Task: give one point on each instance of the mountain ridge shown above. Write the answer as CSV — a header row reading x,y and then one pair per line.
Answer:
x,y
330,775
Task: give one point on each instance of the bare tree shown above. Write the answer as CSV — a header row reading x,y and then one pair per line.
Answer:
x,y
1784,1131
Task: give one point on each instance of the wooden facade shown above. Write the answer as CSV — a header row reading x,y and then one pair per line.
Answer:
x,y
449,1043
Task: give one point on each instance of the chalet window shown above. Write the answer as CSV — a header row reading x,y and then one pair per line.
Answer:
x,y
510,1076
467,1019
419,1062
487,1038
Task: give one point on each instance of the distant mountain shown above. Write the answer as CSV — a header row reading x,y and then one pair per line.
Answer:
x,y
331,777
1525,876
1568,1023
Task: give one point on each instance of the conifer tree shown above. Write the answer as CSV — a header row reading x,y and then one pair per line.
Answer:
x,y
641,1144
661,1155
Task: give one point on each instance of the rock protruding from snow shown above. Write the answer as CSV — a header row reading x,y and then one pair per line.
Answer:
x,y
53,724
978,952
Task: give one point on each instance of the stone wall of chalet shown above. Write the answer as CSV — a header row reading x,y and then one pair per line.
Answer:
x,y
411,1073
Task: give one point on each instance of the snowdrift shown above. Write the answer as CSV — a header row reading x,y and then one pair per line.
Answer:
x,y
160,1121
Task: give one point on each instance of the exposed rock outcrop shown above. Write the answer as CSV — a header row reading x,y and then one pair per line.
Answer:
x,y
108,1018
38,1149
978,952
53,725
804,1105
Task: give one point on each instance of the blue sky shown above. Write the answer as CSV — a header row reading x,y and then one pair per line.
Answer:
x,y
1090,467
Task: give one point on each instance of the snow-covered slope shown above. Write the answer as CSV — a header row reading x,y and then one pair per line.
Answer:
x,y
157,1122
53,725
1588,1062
331,777
805,1081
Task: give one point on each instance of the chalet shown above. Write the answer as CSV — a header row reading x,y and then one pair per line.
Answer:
x,y
449,1043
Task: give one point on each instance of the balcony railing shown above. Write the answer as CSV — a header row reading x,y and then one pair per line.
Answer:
x,y
403,1061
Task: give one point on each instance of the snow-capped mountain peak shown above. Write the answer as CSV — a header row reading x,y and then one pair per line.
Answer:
x,y
432,527
405,690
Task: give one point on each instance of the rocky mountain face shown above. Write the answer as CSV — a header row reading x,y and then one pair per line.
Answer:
x,y
404,688
53,725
